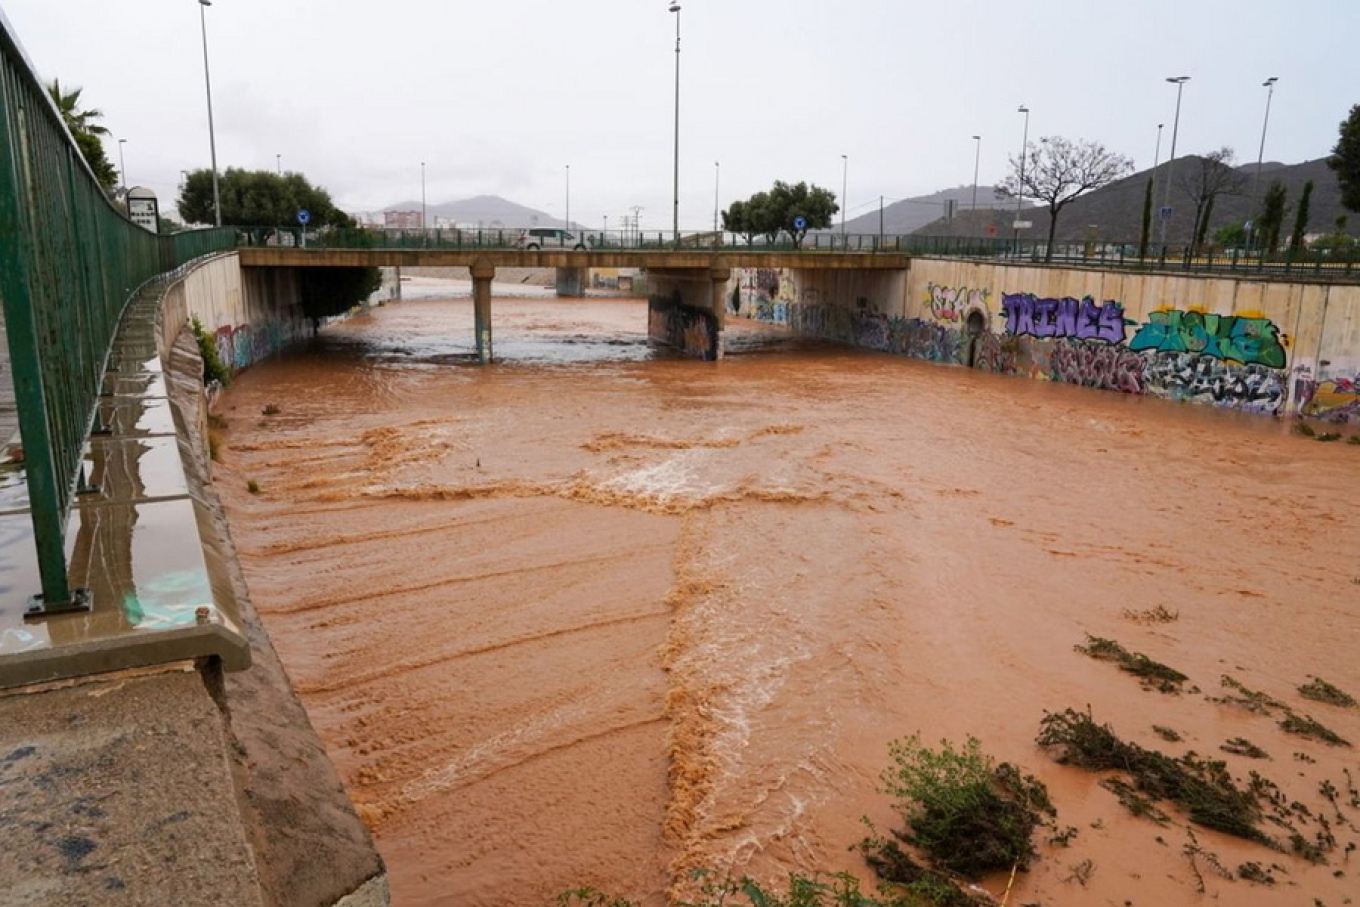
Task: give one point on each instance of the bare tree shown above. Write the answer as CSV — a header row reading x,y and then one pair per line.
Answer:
x,y
1212,175
1058,170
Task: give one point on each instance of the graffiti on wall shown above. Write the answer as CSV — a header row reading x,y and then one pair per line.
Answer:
x,y
245,344
1335,399
1114,368
1080,319
692,330
1236,338
954,303
1199,378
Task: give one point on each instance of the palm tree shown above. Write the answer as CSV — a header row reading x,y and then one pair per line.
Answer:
x,y
76,120
86,132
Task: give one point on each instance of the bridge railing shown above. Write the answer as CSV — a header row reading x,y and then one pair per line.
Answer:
x,y
69,261
1333,265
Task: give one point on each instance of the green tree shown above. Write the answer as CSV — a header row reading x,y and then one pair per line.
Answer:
x,y
334,291
1345,160
1147,221
1059,170
87,132
757,216
1203,226
1274,206
791,201
258,198
1231,236
1301,219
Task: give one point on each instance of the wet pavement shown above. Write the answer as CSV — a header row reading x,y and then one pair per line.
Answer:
x,y
137,540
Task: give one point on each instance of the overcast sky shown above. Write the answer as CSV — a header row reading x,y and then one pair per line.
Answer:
x,y
499,97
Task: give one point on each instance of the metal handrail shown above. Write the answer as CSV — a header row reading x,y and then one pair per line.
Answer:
x,y
70,259
1339,266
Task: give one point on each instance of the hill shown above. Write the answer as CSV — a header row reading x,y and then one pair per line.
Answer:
x,y
490,211
1114,213
910,214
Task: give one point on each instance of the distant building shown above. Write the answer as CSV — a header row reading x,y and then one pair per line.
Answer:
x,y
402,220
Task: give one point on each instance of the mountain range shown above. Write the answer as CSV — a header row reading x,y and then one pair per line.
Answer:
x,y
1111,213
1115,212
490,211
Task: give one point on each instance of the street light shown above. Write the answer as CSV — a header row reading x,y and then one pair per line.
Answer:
x,y
568,216
977,159
717,170
845,177
1179,82
1269,85
422,196
278,163
1020,187
122,165
212,138
675,222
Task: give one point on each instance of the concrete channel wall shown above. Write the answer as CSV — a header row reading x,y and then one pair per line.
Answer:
x,y
1263,346
181,783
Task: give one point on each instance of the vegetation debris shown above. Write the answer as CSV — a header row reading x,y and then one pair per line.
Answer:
x,y
1202,787
1153,674
1321,691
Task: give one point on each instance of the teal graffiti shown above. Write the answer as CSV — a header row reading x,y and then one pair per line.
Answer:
x,y
1233,338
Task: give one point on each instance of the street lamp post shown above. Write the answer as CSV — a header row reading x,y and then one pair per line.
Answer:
x,y
845,177
717,171
675,218
1179,82
1269,85
122,165
568,209
977,160
278,164
212,138
1020,187
422,196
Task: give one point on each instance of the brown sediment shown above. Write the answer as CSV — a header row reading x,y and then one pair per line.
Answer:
x,y
582,622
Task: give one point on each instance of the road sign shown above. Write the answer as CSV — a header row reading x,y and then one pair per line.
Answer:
x,y
304,216
1022,225
1164,213
800,223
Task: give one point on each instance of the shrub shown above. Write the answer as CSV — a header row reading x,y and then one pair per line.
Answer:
x,y
966,814
213,368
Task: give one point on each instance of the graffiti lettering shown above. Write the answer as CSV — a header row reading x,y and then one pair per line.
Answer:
x,y
954,303
1230,337
1201,378
1096,365
1078,319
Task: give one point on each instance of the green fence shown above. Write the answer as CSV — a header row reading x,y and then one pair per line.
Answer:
x,y
1333,266
69,261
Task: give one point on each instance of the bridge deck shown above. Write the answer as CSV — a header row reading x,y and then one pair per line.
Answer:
x,y
286,256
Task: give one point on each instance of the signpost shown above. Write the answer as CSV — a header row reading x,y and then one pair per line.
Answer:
x,y
304,216
800,223
1022,224
143,210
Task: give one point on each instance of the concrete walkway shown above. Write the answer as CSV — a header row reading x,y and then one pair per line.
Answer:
x,y
178,784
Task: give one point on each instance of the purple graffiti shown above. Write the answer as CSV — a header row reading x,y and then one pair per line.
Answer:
x,y
1079,319
1104,367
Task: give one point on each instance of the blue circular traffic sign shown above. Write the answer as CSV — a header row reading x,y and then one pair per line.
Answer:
x,y
303,216
800,223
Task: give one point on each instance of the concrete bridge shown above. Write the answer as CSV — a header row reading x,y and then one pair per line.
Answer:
x,y
684,284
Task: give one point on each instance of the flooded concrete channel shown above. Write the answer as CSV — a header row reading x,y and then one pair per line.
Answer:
x,y
595,615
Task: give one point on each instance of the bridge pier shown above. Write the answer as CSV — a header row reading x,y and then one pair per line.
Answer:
x,y
687,309
482,272
571,281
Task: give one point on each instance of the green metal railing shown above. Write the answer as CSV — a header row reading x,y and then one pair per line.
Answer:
x,y
1106,254
69,261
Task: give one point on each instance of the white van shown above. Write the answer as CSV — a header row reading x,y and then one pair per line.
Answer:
x,y
548,238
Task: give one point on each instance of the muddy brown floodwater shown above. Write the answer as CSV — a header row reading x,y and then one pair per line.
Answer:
x,y
598,616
